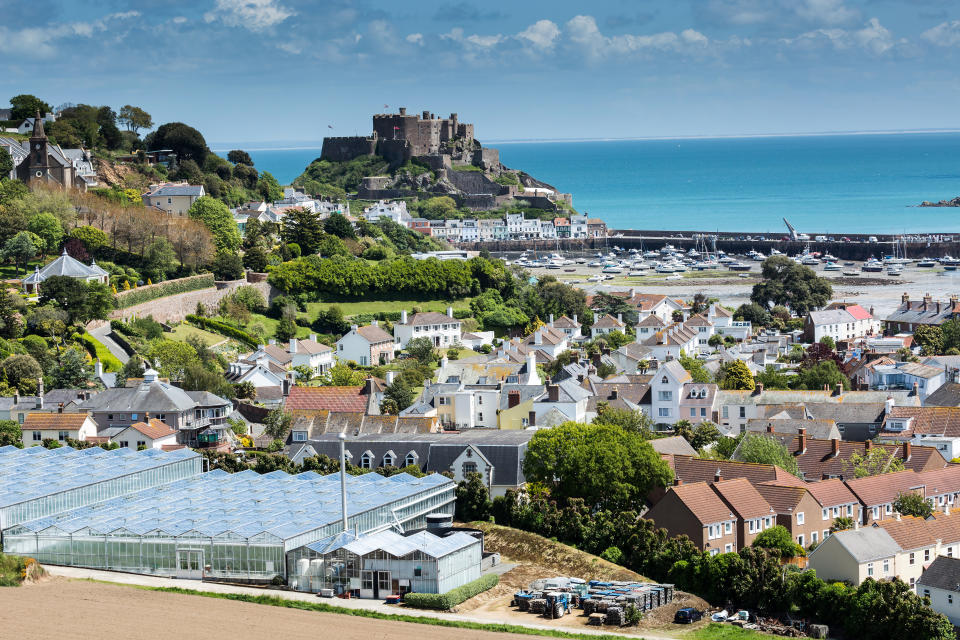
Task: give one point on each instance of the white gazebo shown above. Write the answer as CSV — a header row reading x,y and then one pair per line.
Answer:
x,y
65,266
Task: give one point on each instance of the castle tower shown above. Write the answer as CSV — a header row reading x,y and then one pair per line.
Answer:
x,y
39,159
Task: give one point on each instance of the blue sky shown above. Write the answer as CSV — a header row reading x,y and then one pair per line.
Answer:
x,y
268,70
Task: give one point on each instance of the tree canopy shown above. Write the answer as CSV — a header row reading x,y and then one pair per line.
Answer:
x,y
762,449
736,376
184,140
134,118
792,285
604,465
218,219
26,106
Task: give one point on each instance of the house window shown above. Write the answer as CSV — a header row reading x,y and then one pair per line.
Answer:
x,y
133,416
869,568
826,532
926,593
109,416
389,459
726,412
813,536
703,412
480,416
876,513
886,567
299,436
849,510
949,552
728,527
37,436
469,467
888,509
411,459
800,539
714,552
524,422
826,513
912,559
417,572
728,548
664,412
123,443
949,598
366,460
926,555
693,412
665,396
443,400
141,443
743,412
800,517
664,380
913,581
766,522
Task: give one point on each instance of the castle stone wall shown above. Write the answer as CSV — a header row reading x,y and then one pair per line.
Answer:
x,y
344,149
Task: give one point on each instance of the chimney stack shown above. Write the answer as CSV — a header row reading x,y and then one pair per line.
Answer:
x,y
802,442
916,389
888,405
403,316
677,482
98,368
907,451
551,320
553,391
838,390
897,515
513,399
313,337
946,509
834,447
537,338
769,427
905,299
620,318
60,408
293,346
449,312
718,476
867,446
615,393
758,389
40,393
574,318
390,376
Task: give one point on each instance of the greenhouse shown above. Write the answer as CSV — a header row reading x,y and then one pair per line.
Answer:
x,y
386,563
37,482
234,527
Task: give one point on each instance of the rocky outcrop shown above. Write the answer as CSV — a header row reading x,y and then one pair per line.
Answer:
x,y
943,203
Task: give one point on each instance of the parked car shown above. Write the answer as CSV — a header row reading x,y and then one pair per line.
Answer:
x,y
687,615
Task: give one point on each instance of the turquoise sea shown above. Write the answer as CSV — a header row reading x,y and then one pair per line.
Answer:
x,y
821,183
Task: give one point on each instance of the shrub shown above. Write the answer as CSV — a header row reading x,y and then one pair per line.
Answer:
x,y
223,329
97,350
161,290
452,598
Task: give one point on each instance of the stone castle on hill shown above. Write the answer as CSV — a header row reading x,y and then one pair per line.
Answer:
x,y
448,147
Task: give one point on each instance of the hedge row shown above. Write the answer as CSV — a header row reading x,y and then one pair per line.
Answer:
x,y
163,289
223,329
96,349
452,598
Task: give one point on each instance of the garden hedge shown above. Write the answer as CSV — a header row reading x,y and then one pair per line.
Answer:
x,y
452,598
96,349
223,329
162,289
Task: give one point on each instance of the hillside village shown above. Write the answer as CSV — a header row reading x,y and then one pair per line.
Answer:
x,y
304,390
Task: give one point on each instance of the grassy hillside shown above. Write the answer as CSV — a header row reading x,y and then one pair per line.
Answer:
x,y
521,546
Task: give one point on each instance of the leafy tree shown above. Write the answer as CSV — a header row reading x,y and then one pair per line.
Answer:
x,y
890,609
822,374
340,375
606,304
338,225
770,378
218,219
606,466
695,368
736,376
6,163
400,393
11,316
132,369
792,285
277,423
913,504
26,106
684,429
71,372
757,447
753,313
829,343
37,347
841,523
10,434
704,434
173,358
473,499
616,339
83,301
21,372
632,421
422,349
134,118
238,156
701,303
20,249
91,237
715,340
227,266
255,259
438,208
269,188
876,461
778,538
286,329
304,228
930,339
185,141
950,330
196,377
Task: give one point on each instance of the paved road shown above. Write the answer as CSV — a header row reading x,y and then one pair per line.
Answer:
x,y
371,605
102,334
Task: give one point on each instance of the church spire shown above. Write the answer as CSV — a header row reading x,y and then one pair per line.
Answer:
x,y
38,126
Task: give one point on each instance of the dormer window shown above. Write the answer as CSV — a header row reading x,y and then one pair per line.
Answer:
x,y
664,380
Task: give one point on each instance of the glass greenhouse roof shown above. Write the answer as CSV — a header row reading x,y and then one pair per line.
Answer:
x,y
272,507
35,472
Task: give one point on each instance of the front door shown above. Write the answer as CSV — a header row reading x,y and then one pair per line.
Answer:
x,y
384,585
190,564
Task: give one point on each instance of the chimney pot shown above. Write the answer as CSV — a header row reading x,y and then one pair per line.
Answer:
x,y
677,482
769,428
868,445
718,476
758,389
802,443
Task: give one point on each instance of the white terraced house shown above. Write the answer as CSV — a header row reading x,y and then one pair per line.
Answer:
x,y
443,330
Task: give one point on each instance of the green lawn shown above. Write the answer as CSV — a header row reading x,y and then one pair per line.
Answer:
x,y
373,306
183,331
270,325
718,631
9,272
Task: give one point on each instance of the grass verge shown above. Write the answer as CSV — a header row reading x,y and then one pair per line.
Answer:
x,y
717,631
182,331
373,306
322,607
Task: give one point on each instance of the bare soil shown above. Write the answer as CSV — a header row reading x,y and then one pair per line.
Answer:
x,y
78,610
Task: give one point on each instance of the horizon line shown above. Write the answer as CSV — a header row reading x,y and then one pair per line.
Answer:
x,y
313,144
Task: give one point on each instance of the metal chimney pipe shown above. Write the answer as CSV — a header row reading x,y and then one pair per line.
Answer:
x,y
343,479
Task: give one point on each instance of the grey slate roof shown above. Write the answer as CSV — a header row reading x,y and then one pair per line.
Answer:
x,y
158,396
943,573
527,392
178,190
65,265
947,395
569,391
867,544
831,316
435,451
676,445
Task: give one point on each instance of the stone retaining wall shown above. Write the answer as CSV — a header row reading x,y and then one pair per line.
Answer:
x,y
176,307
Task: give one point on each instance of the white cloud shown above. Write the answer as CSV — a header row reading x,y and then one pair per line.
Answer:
x,y
41,41
415,38
873,38
830,12
541,34
583,33
254,15
179,20
945,34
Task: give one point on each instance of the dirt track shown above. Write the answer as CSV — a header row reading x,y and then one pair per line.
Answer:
x,y
74,610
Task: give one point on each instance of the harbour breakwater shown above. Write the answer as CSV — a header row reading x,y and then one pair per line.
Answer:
x,y
858,248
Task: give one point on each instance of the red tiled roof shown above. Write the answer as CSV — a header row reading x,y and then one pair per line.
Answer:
x,y
60,421
884,488
690,469
783,499
858,312
909,532
705,505
945,420
743,498
347,399
830,493
155,429
374,334
941,481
